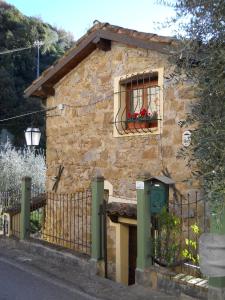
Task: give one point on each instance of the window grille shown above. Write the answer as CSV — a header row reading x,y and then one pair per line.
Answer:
x,y
138,108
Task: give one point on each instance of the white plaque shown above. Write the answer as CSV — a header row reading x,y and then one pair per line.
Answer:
x,y
139,185
186,138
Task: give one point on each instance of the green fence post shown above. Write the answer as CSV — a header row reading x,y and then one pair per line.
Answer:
x,y
25,208
217,284
144,259
96,230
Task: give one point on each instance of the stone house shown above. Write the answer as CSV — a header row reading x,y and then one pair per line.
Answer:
x,y
115,113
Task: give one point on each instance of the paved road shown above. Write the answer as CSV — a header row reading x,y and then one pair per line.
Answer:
x,y
31,271
18,284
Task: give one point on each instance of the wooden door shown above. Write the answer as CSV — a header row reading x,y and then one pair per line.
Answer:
x,y
132,253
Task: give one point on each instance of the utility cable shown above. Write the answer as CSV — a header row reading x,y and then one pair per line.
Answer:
x,y
29,47
15,50
27,114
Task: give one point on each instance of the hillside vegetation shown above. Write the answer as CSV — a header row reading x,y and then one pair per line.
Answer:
x,y
18,69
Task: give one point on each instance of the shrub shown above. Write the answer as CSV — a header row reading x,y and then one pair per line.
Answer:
x,y
166,246
17,163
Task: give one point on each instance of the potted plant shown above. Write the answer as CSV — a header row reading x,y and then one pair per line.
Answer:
x,y
143,119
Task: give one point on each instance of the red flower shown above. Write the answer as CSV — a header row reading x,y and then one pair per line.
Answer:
x,y
143,112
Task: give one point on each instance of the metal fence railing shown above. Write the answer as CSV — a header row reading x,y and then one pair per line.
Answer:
x,y
63,219
176,233
10,203
10,207
60,219
10,199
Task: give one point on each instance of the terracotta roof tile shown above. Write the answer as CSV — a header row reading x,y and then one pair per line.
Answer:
x,y
141,36
122,209
119,30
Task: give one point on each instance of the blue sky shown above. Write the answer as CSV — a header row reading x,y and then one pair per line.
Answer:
x,y
77,16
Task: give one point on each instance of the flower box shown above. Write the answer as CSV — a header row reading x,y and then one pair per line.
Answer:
x,y
142,120
153,124
137,124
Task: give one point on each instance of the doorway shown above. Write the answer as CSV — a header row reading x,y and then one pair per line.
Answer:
x,y
132,253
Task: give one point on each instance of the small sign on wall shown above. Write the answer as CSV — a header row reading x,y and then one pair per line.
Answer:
x,y
139,185
186,138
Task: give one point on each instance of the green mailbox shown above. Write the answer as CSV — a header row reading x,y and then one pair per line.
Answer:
x,y
159,193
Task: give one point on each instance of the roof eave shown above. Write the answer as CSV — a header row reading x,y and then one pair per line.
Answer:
x,y
52,75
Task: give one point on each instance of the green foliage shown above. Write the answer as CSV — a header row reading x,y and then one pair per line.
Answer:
x,y
200,60
18,69
166,244
15,164
190,251
36,221
1,222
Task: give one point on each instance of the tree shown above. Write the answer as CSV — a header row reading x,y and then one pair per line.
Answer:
x,y
200,55
15,164
18,69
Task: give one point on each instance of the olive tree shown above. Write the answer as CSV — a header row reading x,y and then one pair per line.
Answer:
x,y
17,163
200,55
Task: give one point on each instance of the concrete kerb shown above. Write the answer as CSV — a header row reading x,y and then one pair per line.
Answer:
x,y
59,255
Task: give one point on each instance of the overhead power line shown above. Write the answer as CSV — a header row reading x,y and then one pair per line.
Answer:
x,y
36,44
15,50
27,114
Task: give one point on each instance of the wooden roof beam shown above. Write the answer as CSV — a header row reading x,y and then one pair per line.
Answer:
x,y
100,39
102,44
48,90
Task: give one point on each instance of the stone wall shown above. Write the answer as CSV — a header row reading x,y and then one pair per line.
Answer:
x,y
81,136
179,285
